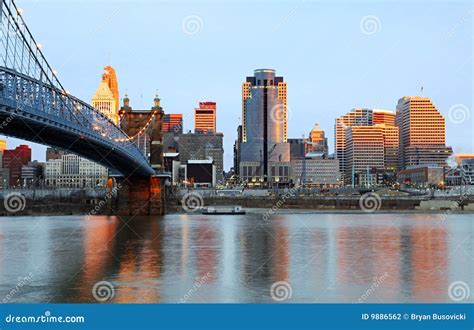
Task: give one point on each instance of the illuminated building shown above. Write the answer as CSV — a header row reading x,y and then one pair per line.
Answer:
x,y
318,141
265,153
356,117
364,150
374,131
112,82
205,118
383,117
106,96
422,133
390,143
173,123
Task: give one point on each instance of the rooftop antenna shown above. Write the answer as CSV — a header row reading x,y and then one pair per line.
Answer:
x,y
421,91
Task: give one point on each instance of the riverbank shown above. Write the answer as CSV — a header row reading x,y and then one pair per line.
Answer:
x,y
99,205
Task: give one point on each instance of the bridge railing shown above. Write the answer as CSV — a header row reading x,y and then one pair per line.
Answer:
x,y
27,79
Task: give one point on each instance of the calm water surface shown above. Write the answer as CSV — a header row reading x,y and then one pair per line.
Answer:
x,y
197,258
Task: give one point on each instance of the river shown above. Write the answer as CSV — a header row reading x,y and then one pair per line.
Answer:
x,y
193,258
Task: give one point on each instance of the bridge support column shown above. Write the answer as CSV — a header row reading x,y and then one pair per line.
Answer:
x,y
138,196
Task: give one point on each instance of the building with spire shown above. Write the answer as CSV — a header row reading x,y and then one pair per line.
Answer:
x,y
106,97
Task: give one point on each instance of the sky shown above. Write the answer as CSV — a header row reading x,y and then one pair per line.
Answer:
x,y
334,56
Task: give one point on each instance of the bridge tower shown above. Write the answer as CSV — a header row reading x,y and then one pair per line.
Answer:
x,y
139,195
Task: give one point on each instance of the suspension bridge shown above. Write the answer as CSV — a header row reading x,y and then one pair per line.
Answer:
x,y
35,106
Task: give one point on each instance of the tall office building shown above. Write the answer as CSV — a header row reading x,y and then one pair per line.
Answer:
x,y
390,143
106,97
13,160
205,118
354,147
265,153
318,142
173,123
422,133
364,150
356,117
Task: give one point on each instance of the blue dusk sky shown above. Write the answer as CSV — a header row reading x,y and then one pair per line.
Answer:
x,y
334,55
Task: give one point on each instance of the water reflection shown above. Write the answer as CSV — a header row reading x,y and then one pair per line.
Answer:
x,y
193,258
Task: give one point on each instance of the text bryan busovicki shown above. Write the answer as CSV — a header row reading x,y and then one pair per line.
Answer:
x,y
438,317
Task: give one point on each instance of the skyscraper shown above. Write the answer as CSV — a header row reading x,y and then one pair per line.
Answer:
x,y
364,150
366,139
106,97
422,133
205,117
265,153
356,117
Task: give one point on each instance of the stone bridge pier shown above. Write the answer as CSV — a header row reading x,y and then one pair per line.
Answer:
x,y
136,195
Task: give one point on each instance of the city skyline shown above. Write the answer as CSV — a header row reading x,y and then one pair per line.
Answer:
x,y
322,93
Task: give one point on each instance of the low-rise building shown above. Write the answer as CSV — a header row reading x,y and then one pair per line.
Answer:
x,y
201,173
72,171
317,171
467,171
422,175
199,146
